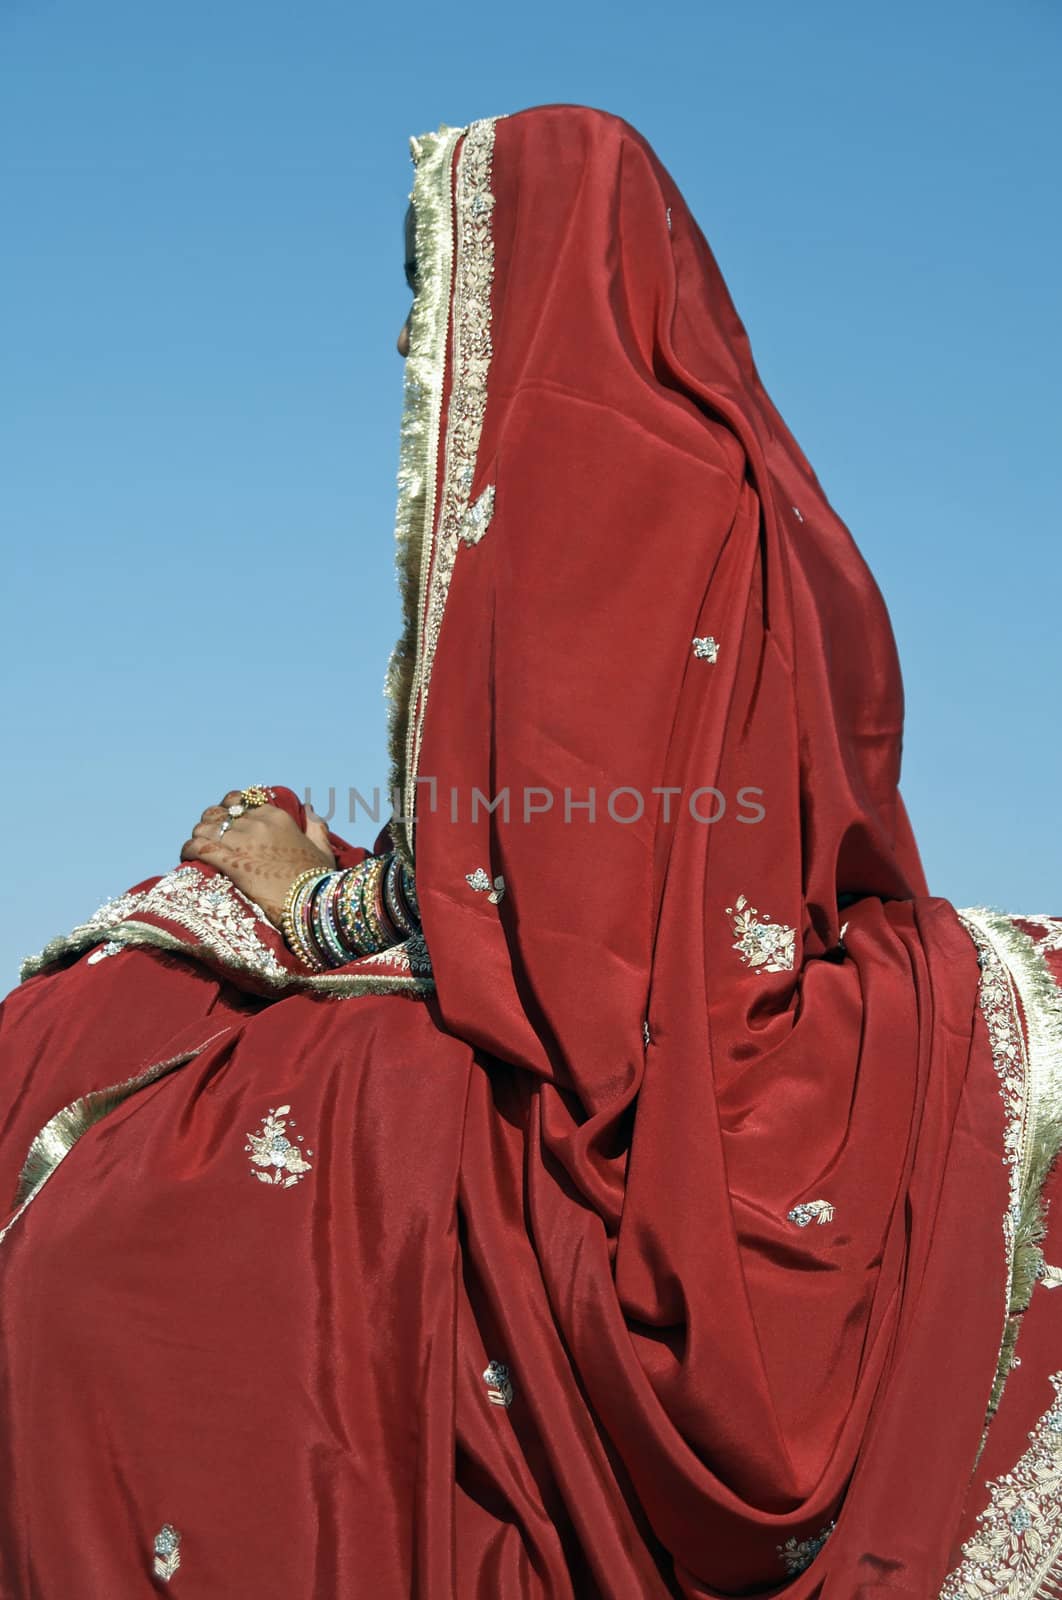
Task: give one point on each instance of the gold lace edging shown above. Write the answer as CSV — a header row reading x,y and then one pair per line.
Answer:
x,y
471,351
1029,1065
425,371
60,1133
443,209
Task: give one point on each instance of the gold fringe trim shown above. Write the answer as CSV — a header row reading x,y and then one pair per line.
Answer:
x,y
60,1134
425,372
1036,1127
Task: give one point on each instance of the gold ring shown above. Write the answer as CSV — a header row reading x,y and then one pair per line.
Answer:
x,y
257,795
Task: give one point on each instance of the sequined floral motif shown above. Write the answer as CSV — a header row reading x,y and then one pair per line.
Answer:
x,y
796,1555
499,1384
820,1211
167,1551
706,649
767,946
284,1162
1050,1277
476,519
1016,1552
480,881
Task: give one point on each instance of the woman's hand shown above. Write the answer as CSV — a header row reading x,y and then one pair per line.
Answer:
x,y
263,851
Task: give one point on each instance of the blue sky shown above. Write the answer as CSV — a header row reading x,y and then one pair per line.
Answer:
x,y
201,287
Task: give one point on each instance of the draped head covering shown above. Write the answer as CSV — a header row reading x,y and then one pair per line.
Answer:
x,y
646,725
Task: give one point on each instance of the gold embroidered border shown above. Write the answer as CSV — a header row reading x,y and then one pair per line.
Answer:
x,y
471,351
425,372
1028,1062
1016,1552
60,1133
222,922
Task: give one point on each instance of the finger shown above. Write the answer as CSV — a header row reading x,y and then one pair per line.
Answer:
x,y
317,833
233,798
214,814
211,830
201,849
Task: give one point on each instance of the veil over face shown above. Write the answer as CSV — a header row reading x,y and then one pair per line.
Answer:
x,y
630,609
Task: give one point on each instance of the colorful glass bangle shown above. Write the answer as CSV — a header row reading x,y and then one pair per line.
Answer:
x,y
369,900
291,923
336,950
391,934
344,916
409,891
400,912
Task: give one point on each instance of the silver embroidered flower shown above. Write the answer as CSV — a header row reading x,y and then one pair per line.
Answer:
x,y
706,648
767,946
270,1148
480,881
167,1552
499,1384
796,1555
820,1211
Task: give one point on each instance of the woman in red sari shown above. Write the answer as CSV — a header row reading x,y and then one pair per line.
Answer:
x,y
657,1171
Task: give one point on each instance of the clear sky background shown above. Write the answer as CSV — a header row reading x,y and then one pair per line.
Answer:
x,y
200,288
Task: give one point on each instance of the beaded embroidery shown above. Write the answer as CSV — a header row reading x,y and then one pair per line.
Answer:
x,y
222,921
480,881
476,519
285,1164
767,946
167,1552
471,356
217,915
796,1555
1009,1059
820,1211
1016,1551
409,956
706,649
499,1384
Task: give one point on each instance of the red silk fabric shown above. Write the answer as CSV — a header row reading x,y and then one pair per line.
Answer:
x,y
506,1170
751,1377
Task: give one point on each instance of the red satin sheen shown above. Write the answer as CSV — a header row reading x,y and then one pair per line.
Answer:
x,y
505,1171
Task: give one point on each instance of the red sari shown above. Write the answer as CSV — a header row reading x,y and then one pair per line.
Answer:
x,y
664,1221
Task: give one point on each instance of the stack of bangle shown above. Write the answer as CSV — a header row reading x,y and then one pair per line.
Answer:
x,y
333,917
